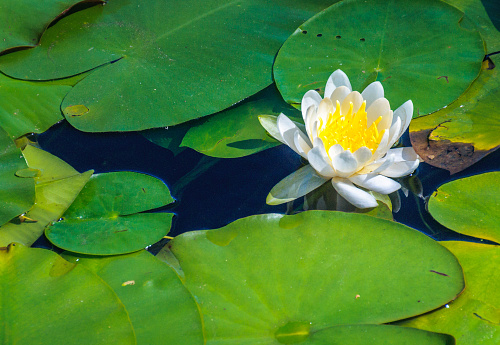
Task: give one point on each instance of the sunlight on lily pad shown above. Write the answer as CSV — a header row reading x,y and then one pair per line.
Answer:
x,y
170,66
161,309
423,50
458,136
56,186
108,215
17,194
269,275
47,300
469,205
474,317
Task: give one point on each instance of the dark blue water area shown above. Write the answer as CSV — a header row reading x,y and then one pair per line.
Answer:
x,y
212,192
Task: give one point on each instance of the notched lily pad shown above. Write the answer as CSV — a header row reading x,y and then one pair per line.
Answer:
x,y
284,279
398,43
109,217
469,205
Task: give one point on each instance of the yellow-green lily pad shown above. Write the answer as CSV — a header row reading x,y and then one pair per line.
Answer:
x,y
461,134
108,216
47,300
17,194
266,277
161,309
474,317
469,205
57,185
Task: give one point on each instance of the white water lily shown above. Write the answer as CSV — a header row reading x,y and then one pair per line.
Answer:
x,y
347,139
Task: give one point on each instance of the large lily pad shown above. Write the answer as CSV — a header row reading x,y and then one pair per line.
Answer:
x,y
108,216
17,194
269,275
463,133
47,300
400,43
173,62
161,309
473,318
232,133
23,21
469,205
57,185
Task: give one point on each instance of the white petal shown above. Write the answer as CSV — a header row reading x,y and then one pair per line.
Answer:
x,y
319,163
321,147
287,129
311,118
380,107
382,147
311,97
270,124
335,150
302,143
394,133
295,185
378,165
362,155
325,108
400,169
353,194
405,112
403,154
376,183
372,92
330,87
344,163
339,78
354,98
339,94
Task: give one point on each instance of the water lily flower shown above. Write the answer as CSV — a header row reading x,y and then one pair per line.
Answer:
x,y
347,139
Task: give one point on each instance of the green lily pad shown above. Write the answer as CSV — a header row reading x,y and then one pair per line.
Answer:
x,y
23,21
400,43
161,309
232,133
57,185
486,17
458,136
108,215
47,300
29,107
17,194
267,275
474,317
469,205
170,66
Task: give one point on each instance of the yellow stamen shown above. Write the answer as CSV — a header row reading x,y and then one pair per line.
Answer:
x,y
350,130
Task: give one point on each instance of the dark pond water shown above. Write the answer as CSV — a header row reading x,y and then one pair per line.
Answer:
x,y
213,192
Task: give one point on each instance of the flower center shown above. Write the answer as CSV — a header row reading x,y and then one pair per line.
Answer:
x,y
350,130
